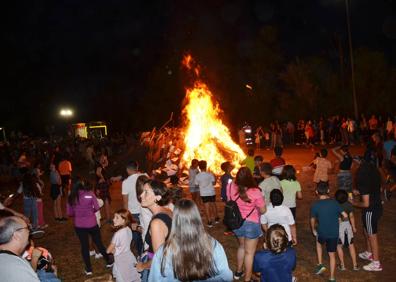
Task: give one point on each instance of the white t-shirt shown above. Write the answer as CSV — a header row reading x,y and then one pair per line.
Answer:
x,y
1,206
267,185
278,215
192,173
205,182
129,188
122,241
145,218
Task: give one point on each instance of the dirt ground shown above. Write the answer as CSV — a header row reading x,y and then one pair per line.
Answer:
x,y
62,242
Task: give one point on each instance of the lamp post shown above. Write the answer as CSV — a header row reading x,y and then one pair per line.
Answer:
x,y
355,106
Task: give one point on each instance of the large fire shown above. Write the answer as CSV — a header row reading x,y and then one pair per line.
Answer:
x,y
206,137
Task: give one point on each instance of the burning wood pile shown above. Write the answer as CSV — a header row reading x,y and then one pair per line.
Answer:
x,y
203,135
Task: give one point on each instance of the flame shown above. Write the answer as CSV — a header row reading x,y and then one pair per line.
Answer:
x,y
206,137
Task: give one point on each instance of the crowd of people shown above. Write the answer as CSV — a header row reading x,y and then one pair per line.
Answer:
x,y
331,130
167,233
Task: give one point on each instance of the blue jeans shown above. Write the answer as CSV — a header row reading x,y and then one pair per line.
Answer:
x,y
137,236
47,276
30,209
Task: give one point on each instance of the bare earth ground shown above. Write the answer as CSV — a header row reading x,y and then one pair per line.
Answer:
x,y
63,243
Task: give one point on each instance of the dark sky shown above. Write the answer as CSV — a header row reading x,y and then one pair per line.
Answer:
x,y
72,52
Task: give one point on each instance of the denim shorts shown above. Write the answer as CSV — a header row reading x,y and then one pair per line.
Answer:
x,y
249,229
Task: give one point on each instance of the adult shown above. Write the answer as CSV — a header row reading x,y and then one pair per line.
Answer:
x,y
251,204
278,262
65,170
389,144
145,213
82,205
89,155
14,237
368,183
389,169
155,197
189,253
30,189
130,199
103,187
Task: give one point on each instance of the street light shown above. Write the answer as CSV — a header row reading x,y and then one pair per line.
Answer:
x,y
66,113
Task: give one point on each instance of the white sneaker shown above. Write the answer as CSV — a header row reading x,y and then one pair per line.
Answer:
x,y
98,256
92,253
373,266
366,256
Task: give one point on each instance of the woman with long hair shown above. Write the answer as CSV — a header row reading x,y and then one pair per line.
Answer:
x,y
82,205
190,253
155,197
251,204
279,260
145,214
31,192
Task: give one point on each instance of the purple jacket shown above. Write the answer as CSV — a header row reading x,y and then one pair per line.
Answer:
x,y
84,210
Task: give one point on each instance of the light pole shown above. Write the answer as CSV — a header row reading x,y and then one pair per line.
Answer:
x,y
355,106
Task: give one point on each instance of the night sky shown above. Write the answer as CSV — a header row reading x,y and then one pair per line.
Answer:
x,y
110,60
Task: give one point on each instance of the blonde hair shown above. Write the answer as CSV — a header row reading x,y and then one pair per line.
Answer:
x,y
277,239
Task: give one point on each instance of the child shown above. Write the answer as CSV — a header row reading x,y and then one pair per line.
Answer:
x,y
269,183
258,160
344,176
325,226
176,190
194,189
278,262
347,228
95,252
226,180
206,181
249,160
278,162
291,188
56,187
323,166
41,261
124,261
279,214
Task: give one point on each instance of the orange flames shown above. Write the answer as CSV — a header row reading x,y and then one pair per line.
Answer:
x,y
206,137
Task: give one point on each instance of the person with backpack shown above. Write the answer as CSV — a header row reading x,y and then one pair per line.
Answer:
x,y
242,215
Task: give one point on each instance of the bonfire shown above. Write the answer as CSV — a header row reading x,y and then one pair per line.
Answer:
x,y
206,136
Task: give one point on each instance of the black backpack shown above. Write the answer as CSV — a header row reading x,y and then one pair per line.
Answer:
x,y
232,215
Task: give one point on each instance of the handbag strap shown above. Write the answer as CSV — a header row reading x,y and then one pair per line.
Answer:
x,y
229,185
249,213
